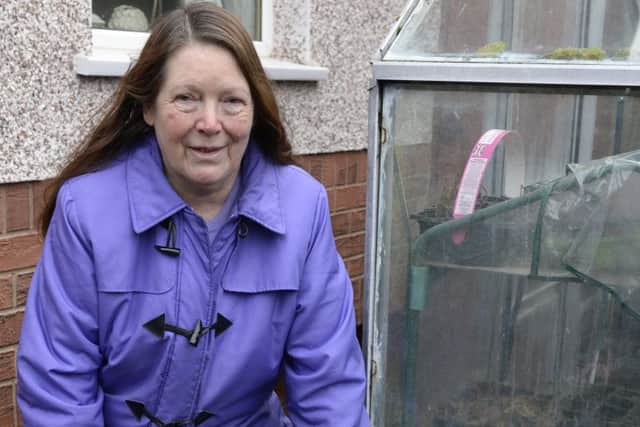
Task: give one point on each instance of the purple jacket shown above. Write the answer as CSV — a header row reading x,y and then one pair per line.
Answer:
x,y
134,319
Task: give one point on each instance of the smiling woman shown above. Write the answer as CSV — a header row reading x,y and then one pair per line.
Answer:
x,y
202,118
188,264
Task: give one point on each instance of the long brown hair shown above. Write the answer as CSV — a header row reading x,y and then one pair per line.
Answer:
x,y
122,125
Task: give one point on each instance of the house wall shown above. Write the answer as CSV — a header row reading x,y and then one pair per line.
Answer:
x,y
45,107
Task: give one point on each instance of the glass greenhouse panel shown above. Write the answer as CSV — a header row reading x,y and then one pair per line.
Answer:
x,y
520,31
532,318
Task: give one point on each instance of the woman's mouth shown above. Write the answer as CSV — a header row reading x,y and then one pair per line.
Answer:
x,y
207,150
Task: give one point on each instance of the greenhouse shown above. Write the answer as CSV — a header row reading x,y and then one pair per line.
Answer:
x,y
504,216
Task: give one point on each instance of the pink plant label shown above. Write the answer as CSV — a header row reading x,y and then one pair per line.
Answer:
x,y
471,181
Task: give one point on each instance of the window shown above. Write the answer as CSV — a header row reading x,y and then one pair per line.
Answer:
x,y
119,32
124,27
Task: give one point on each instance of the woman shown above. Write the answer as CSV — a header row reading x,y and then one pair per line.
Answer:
x,y
186,262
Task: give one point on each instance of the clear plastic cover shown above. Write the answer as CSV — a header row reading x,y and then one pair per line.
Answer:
x,y
584,227
546,331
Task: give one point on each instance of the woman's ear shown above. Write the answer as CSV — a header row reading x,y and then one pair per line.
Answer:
x,y
148,114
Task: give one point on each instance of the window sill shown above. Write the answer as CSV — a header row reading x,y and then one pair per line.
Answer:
x,y
116,64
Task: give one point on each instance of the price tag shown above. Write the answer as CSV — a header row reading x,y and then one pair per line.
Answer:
x,y
474,171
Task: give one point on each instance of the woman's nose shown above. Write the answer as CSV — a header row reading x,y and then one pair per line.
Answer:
x,y
209,120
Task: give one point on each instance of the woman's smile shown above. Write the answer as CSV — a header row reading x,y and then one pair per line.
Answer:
x,y
208,151
202,118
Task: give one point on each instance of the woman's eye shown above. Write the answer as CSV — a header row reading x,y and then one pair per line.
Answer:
x,y
234,105
235,101
184,97
185,102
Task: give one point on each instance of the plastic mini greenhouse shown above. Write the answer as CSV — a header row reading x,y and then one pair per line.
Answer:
x,y
503,221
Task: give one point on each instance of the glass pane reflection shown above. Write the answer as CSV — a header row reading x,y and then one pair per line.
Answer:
x,y
521,31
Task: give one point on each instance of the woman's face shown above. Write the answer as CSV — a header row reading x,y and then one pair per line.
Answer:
x,y
202,118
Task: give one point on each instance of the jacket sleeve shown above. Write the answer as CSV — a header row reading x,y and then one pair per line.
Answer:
x,y
58,355
324,368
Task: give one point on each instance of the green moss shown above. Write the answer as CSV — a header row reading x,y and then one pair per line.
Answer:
x,y
622,53
492,49
591,53
595,53
563,53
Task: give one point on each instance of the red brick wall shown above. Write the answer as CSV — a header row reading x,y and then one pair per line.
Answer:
x,y
345,177
343,174
20,247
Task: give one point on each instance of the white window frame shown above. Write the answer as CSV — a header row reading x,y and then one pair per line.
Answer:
x,y
131,42
113,52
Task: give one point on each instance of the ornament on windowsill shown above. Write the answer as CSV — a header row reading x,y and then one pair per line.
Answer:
x,y
97,21
128,18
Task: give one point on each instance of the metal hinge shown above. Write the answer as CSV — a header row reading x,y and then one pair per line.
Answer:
x,y
383,135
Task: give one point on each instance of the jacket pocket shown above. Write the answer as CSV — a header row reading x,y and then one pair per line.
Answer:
x,y
253,286
150,276
143,288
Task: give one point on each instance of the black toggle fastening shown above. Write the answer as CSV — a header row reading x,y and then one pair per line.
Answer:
x,y
170,247
157,326
243,229
138,410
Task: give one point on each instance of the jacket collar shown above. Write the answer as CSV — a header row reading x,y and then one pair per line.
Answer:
x,y
152,199
260,193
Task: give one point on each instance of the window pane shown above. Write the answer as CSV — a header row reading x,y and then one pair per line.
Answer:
x,y
139,15
520,30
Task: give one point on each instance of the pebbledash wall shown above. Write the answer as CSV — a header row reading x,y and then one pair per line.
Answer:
x,y
45,107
